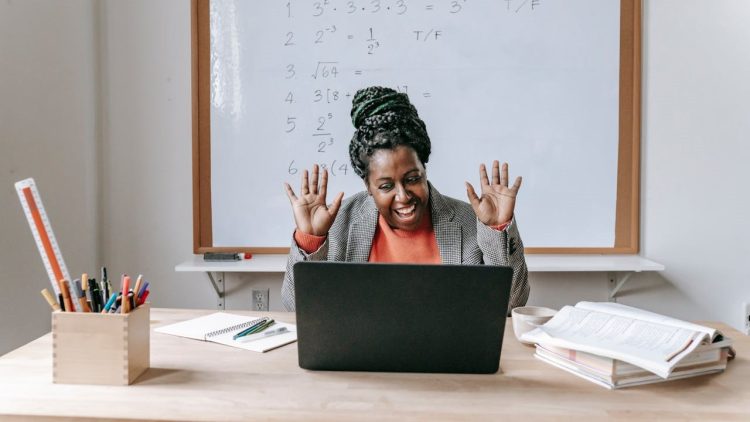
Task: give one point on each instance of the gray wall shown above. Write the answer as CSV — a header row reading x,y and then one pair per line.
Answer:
x,y
695,117
48,130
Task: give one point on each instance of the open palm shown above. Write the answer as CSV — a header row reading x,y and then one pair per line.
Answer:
x,y
496,204
311,213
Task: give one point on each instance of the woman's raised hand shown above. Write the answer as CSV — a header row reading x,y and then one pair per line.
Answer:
x,y
495,206
311,213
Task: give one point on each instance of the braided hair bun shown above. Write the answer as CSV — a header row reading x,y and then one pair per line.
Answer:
x,y
384,118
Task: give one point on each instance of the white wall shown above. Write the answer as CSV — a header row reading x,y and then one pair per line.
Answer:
x,y
695,152
47,131
695,115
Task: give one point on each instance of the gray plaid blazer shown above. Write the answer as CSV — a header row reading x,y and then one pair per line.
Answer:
x,y
461,238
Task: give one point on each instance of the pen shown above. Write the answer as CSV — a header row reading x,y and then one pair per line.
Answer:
x,y
259,336
279,330
86,287
106,288
137,288
143,289
51,300
254,329
61,301
81,296
248,329
96,298
142,300
109,303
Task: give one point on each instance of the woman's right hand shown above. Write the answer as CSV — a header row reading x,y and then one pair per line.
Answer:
x,y
311,213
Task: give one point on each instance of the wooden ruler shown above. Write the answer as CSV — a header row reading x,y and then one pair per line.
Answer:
x,y
41,229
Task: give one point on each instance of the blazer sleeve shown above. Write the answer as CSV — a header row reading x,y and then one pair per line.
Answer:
x,y
506,248
296,254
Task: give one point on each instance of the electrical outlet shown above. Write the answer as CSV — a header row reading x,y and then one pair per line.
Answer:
x,y
747,318
260,300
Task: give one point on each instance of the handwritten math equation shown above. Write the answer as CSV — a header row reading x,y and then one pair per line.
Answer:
x,y
321,86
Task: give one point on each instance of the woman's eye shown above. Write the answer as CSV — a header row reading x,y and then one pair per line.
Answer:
x,y
413,179
386,186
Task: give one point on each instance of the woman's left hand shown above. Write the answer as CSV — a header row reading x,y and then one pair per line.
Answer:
x,y
495,206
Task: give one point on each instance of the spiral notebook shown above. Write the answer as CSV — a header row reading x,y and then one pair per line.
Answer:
x,y
220,327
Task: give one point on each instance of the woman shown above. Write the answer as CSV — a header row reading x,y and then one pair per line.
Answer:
x,y
401,217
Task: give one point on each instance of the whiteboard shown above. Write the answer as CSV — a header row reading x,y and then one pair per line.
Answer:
x,y
534,83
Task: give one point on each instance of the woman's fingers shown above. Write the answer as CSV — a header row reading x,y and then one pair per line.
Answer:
x,y
334,208
483,179
314,180
304,185
503,175
497,179
323,190
516,185
290,193
473,198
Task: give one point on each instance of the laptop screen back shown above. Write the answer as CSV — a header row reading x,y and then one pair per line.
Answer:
x,y
400,317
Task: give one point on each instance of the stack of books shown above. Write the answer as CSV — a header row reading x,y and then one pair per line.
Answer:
x,y
617,346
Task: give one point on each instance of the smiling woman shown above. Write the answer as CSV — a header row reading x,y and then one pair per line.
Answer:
x,y
401,217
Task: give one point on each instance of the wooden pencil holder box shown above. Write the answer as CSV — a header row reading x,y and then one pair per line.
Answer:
x,y
104,349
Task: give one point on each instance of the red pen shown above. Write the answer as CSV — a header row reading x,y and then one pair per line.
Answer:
x,y
143,298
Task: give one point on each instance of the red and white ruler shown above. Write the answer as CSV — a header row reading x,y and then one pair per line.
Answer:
x,y
43,235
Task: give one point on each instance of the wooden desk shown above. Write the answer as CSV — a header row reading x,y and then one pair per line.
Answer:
x,y
193,380
619,268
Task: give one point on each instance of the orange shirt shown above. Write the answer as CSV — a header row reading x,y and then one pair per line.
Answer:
x,y
406,246
390,245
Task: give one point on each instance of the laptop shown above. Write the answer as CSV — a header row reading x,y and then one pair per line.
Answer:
x,y
401,317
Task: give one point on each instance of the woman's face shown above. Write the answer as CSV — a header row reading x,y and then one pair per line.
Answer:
x,y
397,182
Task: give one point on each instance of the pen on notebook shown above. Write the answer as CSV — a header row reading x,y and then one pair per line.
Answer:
x,y
264,334
257,328
250,328
51,300
273,332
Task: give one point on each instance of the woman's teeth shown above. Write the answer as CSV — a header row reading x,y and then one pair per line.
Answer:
x,y
405,212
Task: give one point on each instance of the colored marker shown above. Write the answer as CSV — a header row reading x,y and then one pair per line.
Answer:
x,y
144,287
81,296
125,288
143,297
109,303
51,300
66,295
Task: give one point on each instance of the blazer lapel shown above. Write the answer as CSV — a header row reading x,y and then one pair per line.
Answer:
x,y
447,231
362,233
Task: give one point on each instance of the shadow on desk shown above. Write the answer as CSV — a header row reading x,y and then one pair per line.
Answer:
x,y
166,376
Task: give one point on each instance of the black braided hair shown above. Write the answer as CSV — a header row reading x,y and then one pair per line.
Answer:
x,y
384,118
